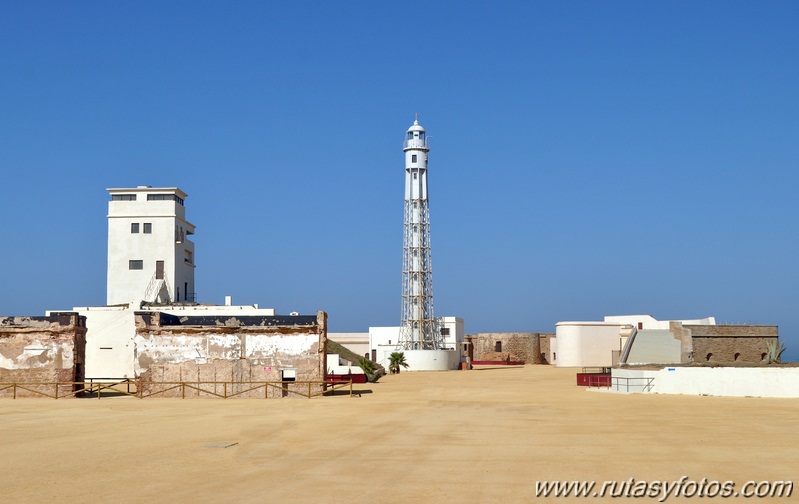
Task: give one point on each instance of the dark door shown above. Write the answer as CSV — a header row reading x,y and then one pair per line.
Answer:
x,y
159,270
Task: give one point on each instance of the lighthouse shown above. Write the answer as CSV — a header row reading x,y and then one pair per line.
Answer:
x,y
419,329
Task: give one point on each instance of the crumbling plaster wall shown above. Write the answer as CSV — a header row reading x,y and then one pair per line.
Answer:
x,y
42,349
231,350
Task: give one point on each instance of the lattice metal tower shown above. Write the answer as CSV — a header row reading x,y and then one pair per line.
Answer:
x,y
419,329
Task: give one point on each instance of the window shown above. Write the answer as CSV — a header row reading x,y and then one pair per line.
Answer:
x,y
164,197
413,158
134,227
414,175
123,197
136,264
498,346
445,331
148,227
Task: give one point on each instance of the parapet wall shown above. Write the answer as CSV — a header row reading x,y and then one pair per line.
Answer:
x,y
731,343
42,349
761,381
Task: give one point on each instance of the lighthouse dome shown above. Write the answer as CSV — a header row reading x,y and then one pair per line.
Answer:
x,y
416,127
415,137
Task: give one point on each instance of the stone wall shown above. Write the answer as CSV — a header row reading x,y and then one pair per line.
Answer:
x,y
545,342
42,349
732,343
229,349
725,343
523,347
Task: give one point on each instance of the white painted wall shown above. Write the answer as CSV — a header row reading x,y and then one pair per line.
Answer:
x,y
422,360
649,322
336,366
654,346
383,336
715,381
456,331
109,341
586,344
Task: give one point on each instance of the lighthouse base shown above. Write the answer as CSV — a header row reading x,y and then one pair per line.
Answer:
x,y
432,360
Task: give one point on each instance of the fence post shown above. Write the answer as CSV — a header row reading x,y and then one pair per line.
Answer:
x,y
56,390
15,390
309,390
350,387
224,389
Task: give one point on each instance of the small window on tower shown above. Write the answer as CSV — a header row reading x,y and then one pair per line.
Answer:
x,y
414,175
136,264
134,227
148,227
413,158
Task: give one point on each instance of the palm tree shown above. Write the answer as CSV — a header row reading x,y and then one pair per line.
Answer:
x,y
369,368
395,361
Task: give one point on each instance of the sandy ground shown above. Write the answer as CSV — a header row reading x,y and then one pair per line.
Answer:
x,y
479,436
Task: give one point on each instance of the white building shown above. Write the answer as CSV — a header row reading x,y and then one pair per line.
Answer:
x,y
150,257
384,340
600,343
150,260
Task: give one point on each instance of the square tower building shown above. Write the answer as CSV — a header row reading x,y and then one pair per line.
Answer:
x,y
150,257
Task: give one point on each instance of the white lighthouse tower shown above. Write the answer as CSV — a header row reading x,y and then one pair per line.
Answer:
x,y
419,330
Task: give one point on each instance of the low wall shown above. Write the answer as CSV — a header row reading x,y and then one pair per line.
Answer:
x,y
432,360
42,349
238,349
713,381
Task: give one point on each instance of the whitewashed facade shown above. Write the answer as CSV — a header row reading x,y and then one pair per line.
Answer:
x,y
150,257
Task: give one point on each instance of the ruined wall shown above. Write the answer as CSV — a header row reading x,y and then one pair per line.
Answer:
x,y
731,343
524,347
42,349
229,349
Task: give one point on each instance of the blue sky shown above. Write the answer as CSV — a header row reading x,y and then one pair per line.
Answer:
x,y
588,158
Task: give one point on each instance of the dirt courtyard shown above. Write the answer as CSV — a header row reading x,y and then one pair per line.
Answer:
x,y
485,435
